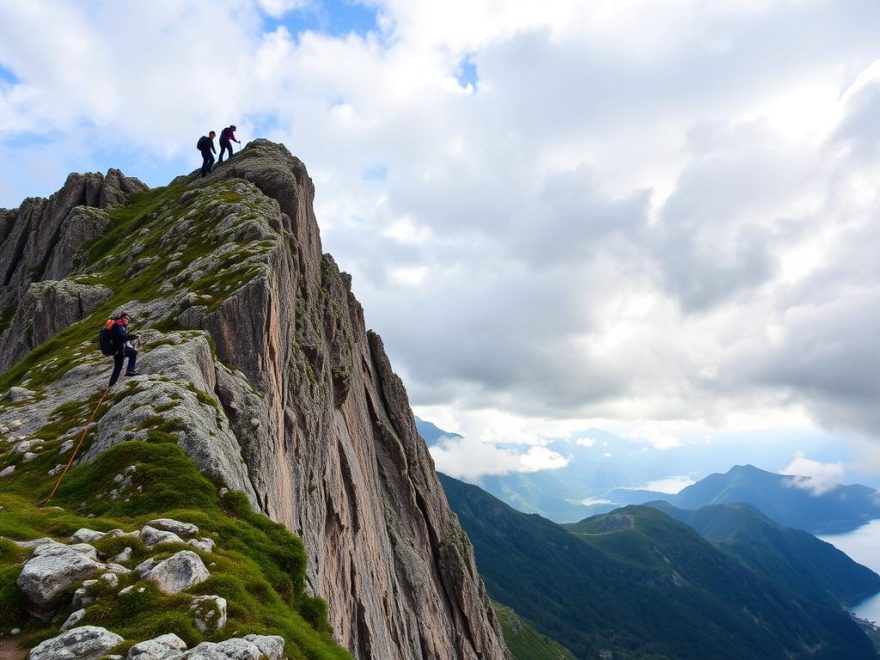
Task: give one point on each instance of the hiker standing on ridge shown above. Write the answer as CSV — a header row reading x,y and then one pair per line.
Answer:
x,y
206,146
227,137
122,344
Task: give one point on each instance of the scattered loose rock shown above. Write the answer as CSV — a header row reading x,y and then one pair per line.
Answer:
x,y
86,535
186,530
252,647
73,619
52,571
164,647
83,643
152,536
205,545
179,572
210,612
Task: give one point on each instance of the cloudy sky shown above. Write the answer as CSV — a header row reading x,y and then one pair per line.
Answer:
x,y
657,218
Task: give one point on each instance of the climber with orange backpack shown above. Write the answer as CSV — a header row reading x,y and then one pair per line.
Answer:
x,y
114,339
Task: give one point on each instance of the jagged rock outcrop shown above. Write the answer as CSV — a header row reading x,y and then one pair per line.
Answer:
x,y
273,386
51,231
45,309
43,240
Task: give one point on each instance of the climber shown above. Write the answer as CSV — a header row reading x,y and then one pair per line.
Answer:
x,y
123,345
227,136
206,146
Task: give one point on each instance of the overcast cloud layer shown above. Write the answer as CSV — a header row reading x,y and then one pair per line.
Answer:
x,y
555,213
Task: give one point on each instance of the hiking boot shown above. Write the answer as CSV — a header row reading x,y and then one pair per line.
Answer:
x,y
132,373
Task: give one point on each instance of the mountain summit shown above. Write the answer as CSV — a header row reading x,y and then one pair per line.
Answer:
x,y
257,365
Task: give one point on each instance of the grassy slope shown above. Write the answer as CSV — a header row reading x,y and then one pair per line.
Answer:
x,y
257,566
793,558
526,643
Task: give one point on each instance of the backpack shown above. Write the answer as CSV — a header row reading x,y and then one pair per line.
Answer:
x,y
224,134
200,145
105,341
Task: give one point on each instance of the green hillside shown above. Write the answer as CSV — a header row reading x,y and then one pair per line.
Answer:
x,y
794,558
637,584
526,643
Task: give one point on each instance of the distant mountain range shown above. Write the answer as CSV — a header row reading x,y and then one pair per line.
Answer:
x,y
787,500
636,583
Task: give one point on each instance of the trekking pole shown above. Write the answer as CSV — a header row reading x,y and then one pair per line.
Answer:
x,y
76,449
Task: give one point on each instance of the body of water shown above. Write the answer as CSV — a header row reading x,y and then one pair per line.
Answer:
x,y
863,546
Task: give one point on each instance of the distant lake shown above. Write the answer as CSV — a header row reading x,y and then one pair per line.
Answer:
x,y
862,545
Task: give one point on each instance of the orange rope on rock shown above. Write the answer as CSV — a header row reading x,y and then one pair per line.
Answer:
x,y
76,449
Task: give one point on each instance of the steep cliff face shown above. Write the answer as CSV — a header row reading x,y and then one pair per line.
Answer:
x,y
259,347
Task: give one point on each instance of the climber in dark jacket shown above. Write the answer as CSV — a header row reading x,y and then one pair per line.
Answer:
x,y
122,343
206,146
227,137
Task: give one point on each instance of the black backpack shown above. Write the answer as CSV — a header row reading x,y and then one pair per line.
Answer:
x,y
201,144
105,342
224,134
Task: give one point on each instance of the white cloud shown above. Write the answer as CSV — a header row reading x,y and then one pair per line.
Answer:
x,y
470,459
585,442
277,8
632,218
815,476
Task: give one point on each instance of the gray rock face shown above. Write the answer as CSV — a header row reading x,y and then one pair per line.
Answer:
x,y
83,643
179,572
331,445
42,238
50,573
46,308
164,647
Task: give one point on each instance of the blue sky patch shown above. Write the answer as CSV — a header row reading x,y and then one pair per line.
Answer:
x,y
376,173
7,76
333,17
466,73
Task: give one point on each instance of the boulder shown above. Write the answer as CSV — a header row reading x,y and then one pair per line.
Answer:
x,y
73,619
164,647
86,535
205,545
151,536
237,649
83,643
52,572
271,646
179,572
209,612
18,394
185,530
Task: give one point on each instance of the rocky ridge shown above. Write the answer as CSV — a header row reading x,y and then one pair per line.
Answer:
x,y
258,366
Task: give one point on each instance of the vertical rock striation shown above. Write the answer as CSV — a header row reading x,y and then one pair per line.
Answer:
x,y
332,448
